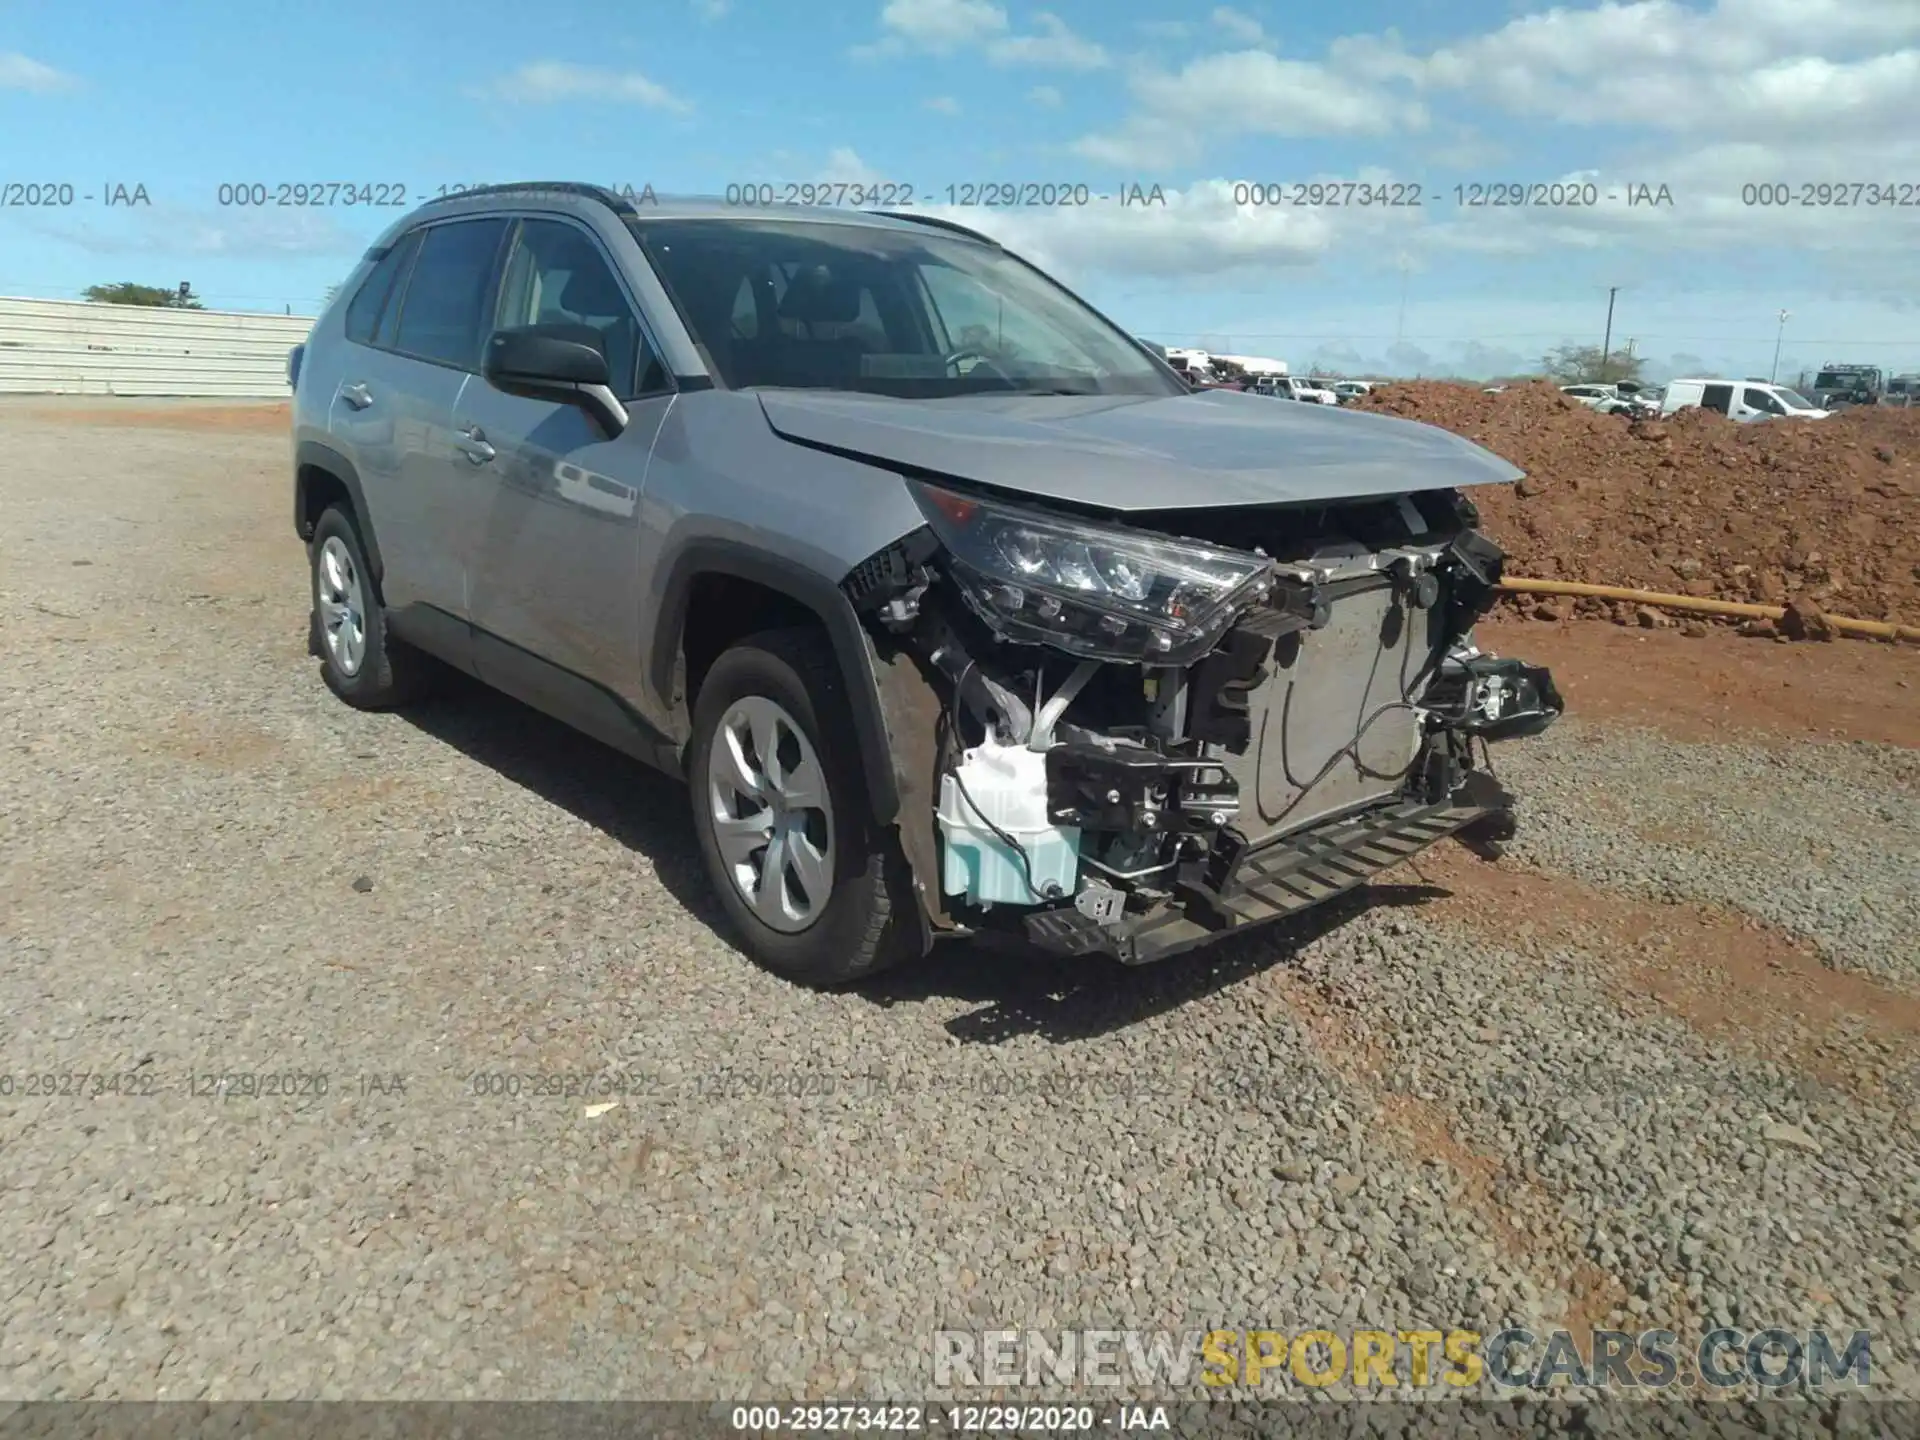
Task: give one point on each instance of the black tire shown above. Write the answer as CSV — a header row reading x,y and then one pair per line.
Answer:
x,y
391,673
868,924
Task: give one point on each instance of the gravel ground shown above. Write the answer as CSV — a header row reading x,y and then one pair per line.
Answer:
x,y
1820,840
1441,1112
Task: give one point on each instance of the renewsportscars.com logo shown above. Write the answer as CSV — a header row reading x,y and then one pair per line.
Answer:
x,y
1512,1359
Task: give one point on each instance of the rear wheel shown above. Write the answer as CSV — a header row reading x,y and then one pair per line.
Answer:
x,y
362,664
815,889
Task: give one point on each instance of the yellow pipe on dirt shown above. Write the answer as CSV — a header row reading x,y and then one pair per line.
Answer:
x,y
1845,625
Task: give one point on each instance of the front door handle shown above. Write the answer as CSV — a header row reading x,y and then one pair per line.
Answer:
x,y
473,441
358,396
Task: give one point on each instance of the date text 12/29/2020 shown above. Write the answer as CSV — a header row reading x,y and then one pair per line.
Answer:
x,y
996,1419
892,195
1469,195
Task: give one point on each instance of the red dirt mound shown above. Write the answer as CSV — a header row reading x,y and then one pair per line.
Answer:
x,y
1826,512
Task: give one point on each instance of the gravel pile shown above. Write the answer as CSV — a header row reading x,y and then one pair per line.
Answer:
x,y
209,868
1822,512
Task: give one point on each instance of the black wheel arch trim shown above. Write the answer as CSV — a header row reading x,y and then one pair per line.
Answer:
x,y
312,454
710,556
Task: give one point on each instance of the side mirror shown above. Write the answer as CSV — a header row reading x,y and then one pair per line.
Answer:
x,y
540,362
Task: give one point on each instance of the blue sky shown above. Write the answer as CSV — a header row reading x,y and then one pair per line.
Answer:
x,y
691,95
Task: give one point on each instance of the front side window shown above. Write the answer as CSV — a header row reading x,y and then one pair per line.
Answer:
x,y
827,306
443,313
558,279
1760,400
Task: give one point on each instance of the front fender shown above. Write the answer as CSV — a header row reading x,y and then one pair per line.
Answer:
x,y
851,645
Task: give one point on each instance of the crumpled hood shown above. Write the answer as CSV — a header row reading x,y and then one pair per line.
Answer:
x,y
1126,453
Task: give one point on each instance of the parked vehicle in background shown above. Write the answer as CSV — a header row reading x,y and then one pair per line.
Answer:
x,y
1743,400
1292,387
1837,386
954,608
1348,390
1196,365
1254,367
1902,390
1647,400
1607,399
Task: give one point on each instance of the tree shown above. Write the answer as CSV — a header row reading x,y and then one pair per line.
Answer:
x,y
1581,365
155,297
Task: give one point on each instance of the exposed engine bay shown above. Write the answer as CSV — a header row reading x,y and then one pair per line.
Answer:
x,y
1147,733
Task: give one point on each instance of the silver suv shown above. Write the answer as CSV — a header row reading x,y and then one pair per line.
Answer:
x,y
953,605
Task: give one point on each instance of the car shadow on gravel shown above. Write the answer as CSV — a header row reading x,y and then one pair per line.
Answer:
x,y
627,800
1021,991
1018,991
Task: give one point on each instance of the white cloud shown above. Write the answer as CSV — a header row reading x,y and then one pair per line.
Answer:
x,y
1053,44
1245,92
941,25
550,81
845,167
713,9
1701,101
1765,67
1196,232
231,234
21,72
1048,96
1243,29
943,105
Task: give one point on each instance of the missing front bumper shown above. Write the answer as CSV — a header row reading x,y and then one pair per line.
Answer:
x,y
1278,878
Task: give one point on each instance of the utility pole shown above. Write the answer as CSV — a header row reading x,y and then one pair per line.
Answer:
x,y
1606,344
1773,375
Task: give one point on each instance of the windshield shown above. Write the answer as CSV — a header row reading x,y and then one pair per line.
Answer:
x,y
1838,380
823,306
1794,400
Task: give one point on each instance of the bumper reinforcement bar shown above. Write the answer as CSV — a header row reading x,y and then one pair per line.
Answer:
x,y
1280,877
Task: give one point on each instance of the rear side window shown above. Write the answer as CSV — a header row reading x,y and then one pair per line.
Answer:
x,y
444,314
1717,397
363,312
379,294
385,337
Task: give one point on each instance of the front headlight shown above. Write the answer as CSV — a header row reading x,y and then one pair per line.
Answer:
x,y
1101,593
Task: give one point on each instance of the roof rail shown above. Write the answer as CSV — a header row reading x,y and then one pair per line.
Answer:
x,y
938,223
615,202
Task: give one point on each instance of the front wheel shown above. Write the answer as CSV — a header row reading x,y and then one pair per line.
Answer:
x,y
815,888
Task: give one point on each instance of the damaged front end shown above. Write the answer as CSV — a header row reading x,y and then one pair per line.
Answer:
x,y
1115,738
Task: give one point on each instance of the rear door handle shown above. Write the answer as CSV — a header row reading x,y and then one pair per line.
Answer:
x,y
473,441
358,396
